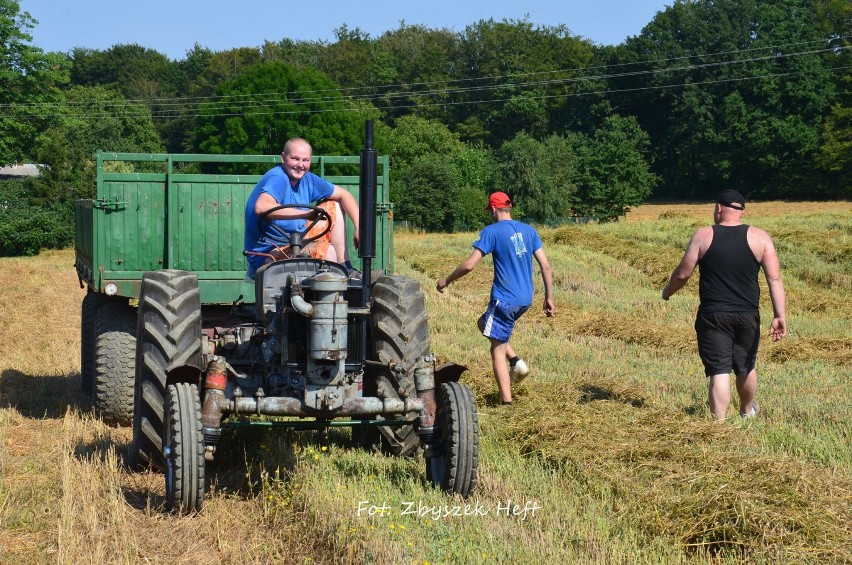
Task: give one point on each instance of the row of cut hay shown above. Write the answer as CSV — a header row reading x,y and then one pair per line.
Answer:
x,y
754,210
571,317
648,257
813,287
706,485
836,350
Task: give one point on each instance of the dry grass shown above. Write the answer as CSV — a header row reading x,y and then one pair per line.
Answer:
x,y
611,434
754,210
707,485
66,494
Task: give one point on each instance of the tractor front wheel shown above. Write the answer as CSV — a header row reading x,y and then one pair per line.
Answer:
x,y
168,336
454,456
184,449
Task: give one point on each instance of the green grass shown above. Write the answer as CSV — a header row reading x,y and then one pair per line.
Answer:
x,y
611,437
609,446
612,327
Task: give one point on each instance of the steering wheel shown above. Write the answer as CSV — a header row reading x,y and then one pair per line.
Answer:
x,y
281,237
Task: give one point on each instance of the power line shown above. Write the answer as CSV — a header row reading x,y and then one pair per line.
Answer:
x,y
497,100
494,77
164,111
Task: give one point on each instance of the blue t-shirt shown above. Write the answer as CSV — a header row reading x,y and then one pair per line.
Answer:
x,y
512,244
276,183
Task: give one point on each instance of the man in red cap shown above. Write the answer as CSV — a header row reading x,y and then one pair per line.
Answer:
x,y
729,255
513,245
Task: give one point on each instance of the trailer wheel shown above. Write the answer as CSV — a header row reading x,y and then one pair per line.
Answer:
x,y
168,335
455,449
88,309
114,358
183,449
400,334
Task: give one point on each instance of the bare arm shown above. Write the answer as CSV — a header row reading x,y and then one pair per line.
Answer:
x,y
464,268
688,263
547,278
772,271
350,208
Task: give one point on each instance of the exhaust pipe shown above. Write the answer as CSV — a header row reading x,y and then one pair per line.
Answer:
x,y
367,211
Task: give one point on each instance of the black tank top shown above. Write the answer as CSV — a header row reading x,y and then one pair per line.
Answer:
x,y
728,273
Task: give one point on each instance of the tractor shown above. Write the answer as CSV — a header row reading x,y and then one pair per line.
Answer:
x,y
315,347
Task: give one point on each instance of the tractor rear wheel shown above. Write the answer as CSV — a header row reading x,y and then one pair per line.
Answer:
x,y
399,332
168,336
455,457
184,449
114,357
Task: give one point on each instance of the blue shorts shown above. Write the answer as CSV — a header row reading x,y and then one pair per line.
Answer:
x,y
499,320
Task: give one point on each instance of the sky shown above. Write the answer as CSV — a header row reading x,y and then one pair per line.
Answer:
x,y
172,27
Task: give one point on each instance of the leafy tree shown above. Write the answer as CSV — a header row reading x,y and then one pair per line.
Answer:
x,y
475,170
256,112
835,155
612,174
352,60
437,182
436,195
137,72
214,69
175,116
834,158
29,84
411,139
424,63
538,177
515,75
426,195
730,92
91,119
300,54
26,227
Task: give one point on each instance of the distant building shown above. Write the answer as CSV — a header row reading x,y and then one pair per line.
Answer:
x,y
19,171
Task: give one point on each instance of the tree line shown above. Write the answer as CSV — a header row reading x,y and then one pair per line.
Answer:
x,y
745,94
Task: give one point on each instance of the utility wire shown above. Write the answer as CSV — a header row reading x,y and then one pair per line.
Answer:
x,y
775,47
496,100
168,110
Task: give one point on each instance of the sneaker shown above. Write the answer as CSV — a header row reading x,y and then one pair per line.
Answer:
x,y
518,371
755,410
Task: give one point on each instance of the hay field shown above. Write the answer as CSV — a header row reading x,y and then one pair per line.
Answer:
x,y
608,454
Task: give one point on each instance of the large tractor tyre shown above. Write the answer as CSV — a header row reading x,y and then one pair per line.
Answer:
x,y
184,449
399,332
114,358
456,443
168,336
88,309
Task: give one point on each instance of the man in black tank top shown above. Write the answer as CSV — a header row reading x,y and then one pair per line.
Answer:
x,y
729,255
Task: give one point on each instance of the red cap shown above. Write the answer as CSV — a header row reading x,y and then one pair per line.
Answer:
x,y
499,200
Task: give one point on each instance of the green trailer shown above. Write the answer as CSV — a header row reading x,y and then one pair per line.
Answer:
x,y
178,342
168,219
158,211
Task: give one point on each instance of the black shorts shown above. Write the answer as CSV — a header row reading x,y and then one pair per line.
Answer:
x,y
728,341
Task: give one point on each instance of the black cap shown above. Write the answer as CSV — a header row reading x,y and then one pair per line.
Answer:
x,y
731,199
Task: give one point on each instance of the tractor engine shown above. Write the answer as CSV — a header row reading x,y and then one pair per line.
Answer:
x,y
311,329
311,349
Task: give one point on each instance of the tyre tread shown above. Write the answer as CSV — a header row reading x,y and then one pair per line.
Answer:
x,y
113,363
